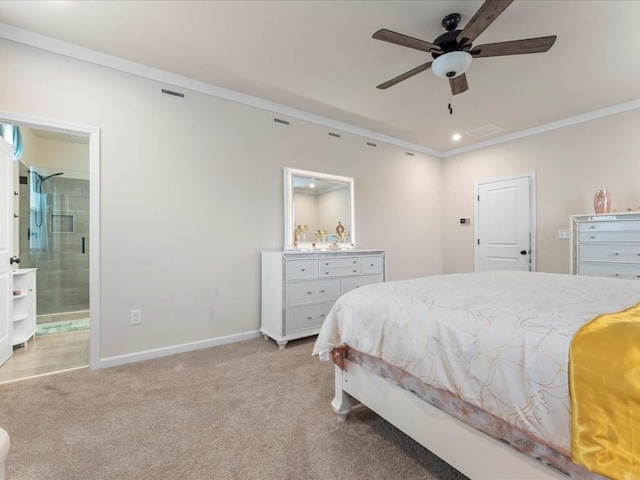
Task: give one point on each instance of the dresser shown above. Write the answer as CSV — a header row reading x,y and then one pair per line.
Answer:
x,y
299,288
606,245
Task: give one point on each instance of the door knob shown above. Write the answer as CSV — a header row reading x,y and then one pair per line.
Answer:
x,y
523,252
13,260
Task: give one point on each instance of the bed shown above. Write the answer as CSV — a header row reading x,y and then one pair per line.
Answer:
x,y
475,367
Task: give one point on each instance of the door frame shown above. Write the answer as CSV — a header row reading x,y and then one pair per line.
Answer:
x,y
93,133
532,212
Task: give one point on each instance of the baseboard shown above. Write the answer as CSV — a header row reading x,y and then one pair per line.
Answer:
x,y
173,349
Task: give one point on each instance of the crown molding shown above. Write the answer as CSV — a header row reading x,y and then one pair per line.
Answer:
x,y
49,44
42,42
567,122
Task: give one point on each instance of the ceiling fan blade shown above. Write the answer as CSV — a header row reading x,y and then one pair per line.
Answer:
x,y
404,76
515,47
459,84
485,16
405,41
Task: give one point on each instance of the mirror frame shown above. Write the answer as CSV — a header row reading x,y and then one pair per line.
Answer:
x,y
289,221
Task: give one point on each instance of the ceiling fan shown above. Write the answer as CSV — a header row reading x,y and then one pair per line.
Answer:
x,y
453,50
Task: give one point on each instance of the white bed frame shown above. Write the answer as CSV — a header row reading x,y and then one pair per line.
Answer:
x,y
475,454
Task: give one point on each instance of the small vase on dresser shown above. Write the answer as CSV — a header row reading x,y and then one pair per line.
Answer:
x,y
602,201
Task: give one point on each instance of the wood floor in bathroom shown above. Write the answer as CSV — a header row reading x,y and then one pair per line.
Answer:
x,y
47,354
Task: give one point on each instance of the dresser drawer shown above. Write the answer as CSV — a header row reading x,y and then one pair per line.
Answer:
x,y
339,262
299,269
613,270
339,271
307,318
373,264
612,236
610,226
349,283
301,293
606,252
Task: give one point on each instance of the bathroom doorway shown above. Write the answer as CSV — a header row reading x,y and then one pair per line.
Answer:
x,y
52,234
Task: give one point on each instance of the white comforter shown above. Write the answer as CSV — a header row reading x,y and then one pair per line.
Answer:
x,y
499,340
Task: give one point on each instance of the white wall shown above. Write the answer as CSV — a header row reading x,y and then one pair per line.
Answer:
x,y
191,191
333,207
305,213
571,164
69,157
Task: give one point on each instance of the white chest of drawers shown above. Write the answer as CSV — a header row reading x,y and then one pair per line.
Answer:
x,y
299,288
606,245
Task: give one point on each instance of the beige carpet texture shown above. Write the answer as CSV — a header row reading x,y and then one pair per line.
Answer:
x,y
242,411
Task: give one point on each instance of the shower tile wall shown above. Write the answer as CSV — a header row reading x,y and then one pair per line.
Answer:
x,y
63,270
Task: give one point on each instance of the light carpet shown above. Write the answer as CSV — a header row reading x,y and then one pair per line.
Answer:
x,y
241,411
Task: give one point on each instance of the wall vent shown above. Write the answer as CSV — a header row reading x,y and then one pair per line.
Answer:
x,y
331,134
484,131
173,93
278,120
371,144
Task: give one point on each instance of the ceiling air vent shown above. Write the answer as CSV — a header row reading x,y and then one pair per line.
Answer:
x,y
173,93
484,131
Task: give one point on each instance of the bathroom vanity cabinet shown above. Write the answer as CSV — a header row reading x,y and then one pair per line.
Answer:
x,y
299,288
24,305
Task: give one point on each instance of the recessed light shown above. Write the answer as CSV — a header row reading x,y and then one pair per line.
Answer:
x,y
456,137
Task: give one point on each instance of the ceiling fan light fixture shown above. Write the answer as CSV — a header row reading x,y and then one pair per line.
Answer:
x,y
452,64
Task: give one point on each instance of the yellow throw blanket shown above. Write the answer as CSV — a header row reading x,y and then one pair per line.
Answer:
x,y
604,381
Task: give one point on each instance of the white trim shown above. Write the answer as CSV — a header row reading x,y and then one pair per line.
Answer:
x,y
25,37
547,127
94,215
173,349
476,212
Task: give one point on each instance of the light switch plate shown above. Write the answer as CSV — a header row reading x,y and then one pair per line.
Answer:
x,y
563,234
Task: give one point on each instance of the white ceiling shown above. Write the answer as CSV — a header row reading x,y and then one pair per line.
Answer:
x,y
319,57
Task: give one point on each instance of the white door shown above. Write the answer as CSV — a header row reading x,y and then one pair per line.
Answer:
x,y
6,250
504,225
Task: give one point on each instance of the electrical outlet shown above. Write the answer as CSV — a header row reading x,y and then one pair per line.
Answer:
x,y
136,317
563,234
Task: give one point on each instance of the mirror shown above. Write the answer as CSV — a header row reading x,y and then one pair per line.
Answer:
x,y
318,211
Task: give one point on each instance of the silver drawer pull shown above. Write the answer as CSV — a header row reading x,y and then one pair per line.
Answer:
x,y
592,236
354,262
593,226
326,263
304,269
317,291
314,318
354,270
371,265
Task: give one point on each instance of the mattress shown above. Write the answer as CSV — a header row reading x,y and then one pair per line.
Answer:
x,y
498,341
